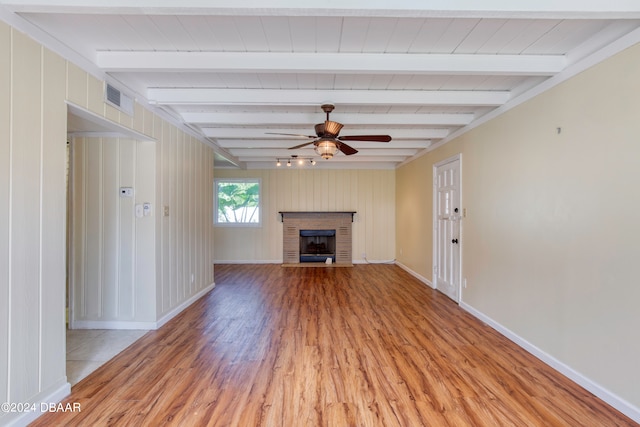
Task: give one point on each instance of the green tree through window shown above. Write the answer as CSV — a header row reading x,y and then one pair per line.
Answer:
x,y
238,201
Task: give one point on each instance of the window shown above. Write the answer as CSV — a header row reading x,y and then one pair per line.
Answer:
x,y
237,202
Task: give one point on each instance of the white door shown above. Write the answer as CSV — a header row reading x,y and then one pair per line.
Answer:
x,y
447,214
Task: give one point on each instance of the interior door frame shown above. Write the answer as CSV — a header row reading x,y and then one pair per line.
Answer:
x,y
458,158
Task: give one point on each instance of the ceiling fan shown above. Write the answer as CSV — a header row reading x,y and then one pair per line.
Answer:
x,y
327,142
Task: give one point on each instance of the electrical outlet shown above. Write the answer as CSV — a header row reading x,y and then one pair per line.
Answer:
x,y
364,255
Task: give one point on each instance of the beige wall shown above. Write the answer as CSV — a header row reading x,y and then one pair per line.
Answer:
x,y
371,193
414,210
36,83
549,242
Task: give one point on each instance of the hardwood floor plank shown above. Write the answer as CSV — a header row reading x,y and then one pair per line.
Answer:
x,y
362,346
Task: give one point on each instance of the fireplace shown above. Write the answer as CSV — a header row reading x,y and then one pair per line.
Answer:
x,y
317,245
312,237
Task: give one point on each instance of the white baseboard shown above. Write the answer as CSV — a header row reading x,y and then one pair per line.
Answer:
x,y
416,275
615,401
146,326
178,309
113,324
54,395
247,261
279,261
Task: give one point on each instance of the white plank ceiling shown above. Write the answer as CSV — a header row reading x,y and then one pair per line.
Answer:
x,y
421,72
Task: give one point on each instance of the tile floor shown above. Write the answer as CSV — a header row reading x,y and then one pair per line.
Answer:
x,y
88,349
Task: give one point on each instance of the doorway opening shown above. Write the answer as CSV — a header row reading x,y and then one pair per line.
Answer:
x,y
86,349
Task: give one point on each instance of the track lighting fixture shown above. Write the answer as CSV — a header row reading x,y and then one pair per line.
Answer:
x,y
296,159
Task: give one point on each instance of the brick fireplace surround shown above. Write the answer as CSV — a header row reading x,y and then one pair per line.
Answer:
x,y
293,222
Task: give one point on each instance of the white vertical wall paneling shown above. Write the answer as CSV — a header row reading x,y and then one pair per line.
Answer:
x,y
191,164
203,193
5,208
206,181
93,230
360,215
207,217
32,232
167,222
54,149
143,290
206,209
170,274
111,229
270,216
170,198
175,208
188,191
196,202
179,221
118,259
364,207
159,224
78,237
164,199
179,218
186,208
25,214
125,167
196,212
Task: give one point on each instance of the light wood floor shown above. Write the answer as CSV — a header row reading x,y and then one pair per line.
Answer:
x,y
361,346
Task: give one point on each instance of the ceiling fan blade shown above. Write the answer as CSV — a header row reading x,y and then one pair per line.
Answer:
x,y
301,145
374,138
290,134
346,149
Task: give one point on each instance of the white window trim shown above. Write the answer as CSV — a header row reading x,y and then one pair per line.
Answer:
x,y
237,224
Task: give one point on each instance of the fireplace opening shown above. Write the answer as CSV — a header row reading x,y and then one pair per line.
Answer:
x,y
317,245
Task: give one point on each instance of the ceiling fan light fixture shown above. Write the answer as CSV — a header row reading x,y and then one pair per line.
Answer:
x,y
326,148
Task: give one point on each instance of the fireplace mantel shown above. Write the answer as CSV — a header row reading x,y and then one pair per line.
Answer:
x,y
293,222
313,213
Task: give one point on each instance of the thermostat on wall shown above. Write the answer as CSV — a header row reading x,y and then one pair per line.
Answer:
x,y
126,192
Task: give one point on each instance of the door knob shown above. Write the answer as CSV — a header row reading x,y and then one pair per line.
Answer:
x,y
454,241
